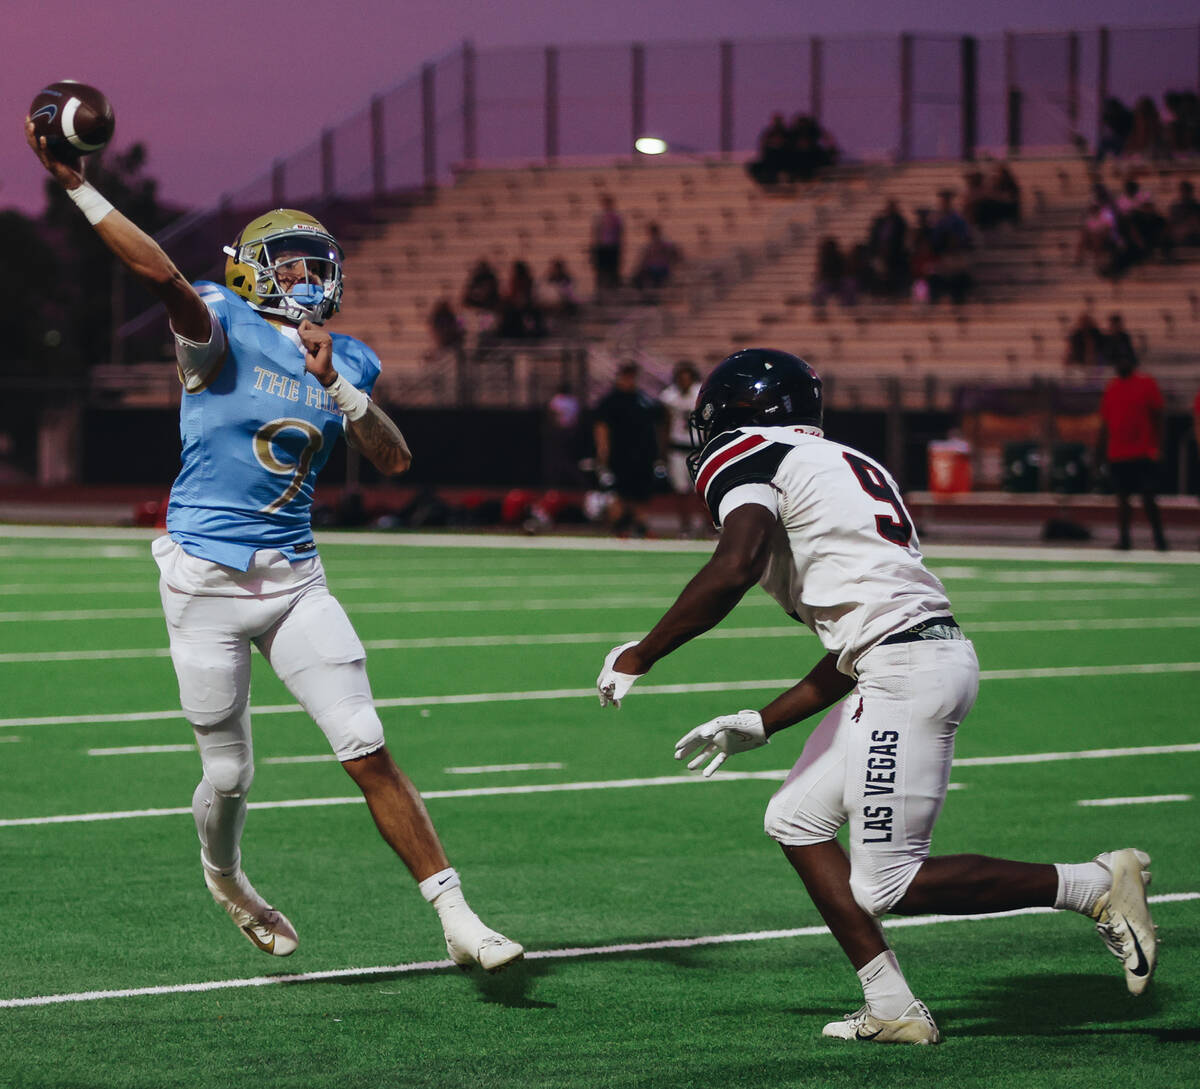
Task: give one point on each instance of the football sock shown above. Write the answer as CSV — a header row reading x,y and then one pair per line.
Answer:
x,y
884,987
219,821
1079,884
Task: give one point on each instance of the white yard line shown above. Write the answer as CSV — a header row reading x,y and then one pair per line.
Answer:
x,y
139,750
468,698
1146,799
604,784
575,953
450,642
483,769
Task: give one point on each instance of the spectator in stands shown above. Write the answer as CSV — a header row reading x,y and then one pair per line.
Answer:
x,y
608,230
832,277
627,431
658,258
1183,128
993,200
1183,217
774,152
1101,238
887,245
1116,121
1130,441
1084,343
951,240
445,327
558,296
923,261
1115,348
1146,135
1005,190
481,296
521,317
809,148
1142,223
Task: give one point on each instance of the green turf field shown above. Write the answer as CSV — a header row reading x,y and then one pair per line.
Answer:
x,y
670,944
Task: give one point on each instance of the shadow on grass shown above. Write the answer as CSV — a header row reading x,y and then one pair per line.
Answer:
x,y
1060,1005
508,987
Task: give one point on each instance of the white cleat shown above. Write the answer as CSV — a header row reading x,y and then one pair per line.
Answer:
x,y
914,1026
265,927
487,948
1123,916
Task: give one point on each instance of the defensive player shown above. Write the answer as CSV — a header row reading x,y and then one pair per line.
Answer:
x,y
824,530
267,391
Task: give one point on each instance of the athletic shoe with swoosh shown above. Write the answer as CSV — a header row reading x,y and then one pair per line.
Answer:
x,y
266,928
914,1026
1123,916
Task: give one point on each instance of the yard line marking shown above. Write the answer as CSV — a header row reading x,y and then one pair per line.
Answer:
x,y
465,792
449,642
777,775
483,768
319,758
9,739
572,953
468,698
135,750
1147,799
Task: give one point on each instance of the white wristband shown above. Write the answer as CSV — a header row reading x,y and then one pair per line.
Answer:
x,y
90,203
353,402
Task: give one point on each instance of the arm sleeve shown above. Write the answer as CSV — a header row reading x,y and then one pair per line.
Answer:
x,y
762,494
198,362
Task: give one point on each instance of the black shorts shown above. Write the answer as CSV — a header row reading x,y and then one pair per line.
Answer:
x,y
1137,476
635,483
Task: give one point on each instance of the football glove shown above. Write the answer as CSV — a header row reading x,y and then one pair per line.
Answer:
x,y
721,738
612,685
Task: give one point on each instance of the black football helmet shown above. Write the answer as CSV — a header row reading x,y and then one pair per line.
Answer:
x,y
756,387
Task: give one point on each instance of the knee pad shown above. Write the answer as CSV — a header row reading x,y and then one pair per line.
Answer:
x,y
229,768
877,890
793,827
352,727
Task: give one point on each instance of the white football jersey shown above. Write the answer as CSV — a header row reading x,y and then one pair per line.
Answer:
x,y
845,559
679,407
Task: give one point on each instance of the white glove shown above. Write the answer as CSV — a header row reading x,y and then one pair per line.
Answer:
x,y
724,736
612,685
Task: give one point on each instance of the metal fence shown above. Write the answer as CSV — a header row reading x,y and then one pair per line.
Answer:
x,y
895,98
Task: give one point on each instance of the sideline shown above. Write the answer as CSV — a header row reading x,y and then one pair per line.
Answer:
x,y
533,954
608,544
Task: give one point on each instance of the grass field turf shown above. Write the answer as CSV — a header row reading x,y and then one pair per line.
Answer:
x,y
1077,655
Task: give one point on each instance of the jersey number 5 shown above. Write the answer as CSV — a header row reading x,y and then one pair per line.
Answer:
x,y
269,459
898,530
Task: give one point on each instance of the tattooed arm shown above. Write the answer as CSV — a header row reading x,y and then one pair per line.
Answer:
x,y
380,440
372,433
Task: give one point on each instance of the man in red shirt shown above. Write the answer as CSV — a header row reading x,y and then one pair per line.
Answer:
x,y
1131,412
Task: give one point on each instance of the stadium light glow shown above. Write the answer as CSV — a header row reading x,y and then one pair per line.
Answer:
x,y
650,145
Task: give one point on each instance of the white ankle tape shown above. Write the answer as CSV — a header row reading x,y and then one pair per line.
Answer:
x,y
433,887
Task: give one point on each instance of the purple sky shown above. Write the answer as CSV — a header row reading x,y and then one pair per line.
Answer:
x,y
217,90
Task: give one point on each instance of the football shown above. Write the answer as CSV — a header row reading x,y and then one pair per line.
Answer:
x,y
76,119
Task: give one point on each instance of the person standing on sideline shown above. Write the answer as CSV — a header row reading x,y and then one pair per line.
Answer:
x,y
823,528
1130,441
626,430
266,393
679,400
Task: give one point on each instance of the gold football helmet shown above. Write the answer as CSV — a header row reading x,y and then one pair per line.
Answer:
x,y
286,264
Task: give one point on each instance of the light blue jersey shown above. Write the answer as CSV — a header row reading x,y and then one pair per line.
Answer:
x,y
254,438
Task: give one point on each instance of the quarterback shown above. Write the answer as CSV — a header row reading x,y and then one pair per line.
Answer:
x,y
823,528
266,393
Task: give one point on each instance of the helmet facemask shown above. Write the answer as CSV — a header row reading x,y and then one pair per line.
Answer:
x,y
293,272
